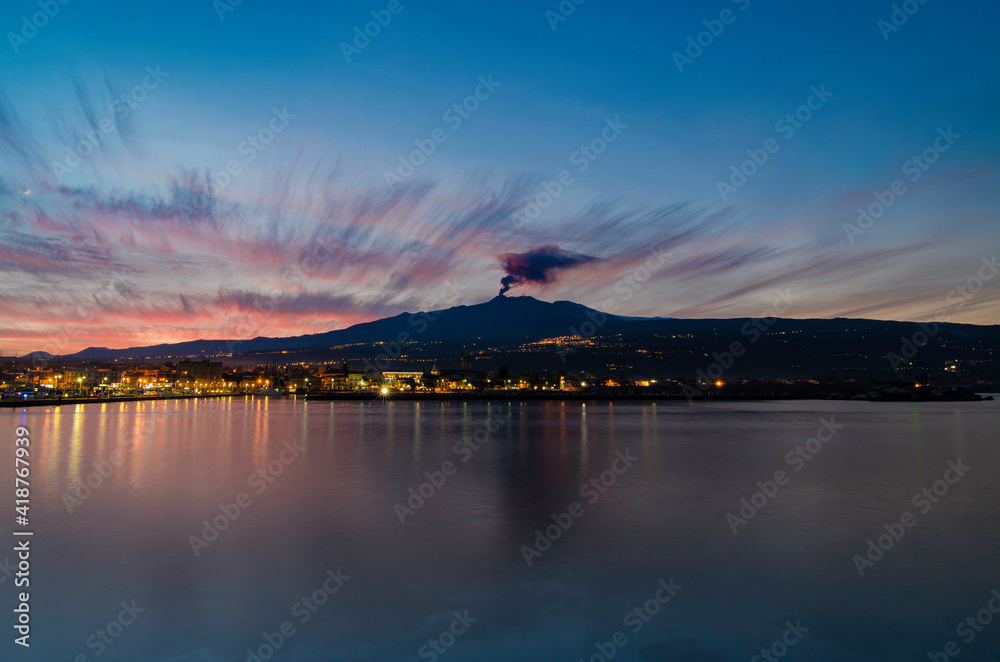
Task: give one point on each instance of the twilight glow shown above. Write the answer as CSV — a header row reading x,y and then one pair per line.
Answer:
x,y
165,186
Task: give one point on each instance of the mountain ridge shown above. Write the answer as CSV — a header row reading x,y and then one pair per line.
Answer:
x,y
508,324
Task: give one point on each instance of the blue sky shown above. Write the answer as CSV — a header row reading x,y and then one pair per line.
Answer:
x,y
109,253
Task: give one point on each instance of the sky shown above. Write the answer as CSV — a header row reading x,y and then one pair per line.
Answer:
x,y
199,169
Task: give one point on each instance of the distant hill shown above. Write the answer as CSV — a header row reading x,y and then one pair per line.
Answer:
x,y
37,355
498,330
503,319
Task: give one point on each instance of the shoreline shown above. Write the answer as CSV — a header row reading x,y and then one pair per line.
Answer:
x,y
53,402
563,396
548,396
552,396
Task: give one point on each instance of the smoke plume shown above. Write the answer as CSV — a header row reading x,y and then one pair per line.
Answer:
x,y
538,265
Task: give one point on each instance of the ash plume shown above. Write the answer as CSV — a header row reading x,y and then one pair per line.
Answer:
x,y
538,265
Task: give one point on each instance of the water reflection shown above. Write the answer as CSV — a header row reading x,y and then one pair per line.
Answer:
x,y
332,506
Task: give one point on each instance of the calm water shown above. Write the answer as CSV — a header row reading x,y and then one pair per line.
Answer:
x,y
332,507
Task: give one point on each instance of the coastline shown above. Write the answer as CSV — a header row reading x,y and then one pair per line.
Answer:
x,y
556,396
496,396
53,402
576,396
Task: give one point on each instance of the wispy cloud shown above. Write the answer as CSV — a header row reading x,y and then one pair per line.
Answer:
x,y
301,247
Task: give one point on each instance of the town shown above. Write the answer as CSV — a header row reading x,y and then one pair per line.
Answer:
x,y
31,379
41,380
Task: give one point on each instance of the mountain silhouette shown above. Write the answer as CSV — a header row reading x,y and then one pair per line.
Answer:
x,y
503,326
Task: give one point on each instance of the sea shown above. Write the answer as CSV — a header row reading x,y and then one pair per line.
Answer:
x,y
247,529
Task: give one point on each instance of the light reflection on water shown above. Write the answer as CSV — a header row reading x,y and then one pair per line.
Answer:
x,y
332,507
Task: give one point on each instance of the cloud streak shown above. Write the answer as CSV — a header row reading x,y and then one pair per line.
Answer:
x,y
302,247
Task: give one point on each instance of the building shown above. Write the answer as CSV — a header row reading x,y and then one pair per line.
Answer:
x,y
199,373
402,379
351,380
